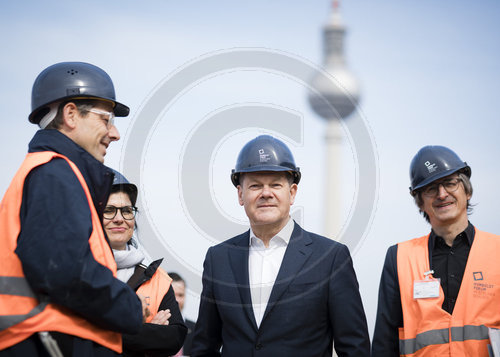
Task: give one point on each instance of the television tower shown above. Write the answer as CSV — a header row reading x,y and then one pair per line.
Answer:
x,y
336,101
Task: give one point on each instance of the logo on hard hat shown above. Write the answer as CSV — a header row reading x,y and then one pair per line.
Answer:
x,y
430,167
263,156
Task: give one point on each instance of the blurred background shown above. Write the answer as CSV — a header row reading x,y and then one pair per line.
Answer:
x,y
427,73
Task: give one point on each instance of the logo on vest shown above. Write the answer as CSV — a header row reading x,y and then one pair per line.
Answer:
x,y
481,289
430,167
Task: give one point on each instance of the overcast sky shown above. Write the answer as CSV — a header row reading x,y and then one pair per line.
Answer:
x,y
429,73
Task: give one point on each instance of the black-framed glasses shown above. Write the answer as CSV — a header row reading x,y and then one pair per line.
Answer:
x,y
127,212
450,185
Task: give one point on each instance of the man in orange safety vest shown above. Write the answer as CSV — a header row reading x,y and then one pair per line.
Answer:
x,y
58,285
439,294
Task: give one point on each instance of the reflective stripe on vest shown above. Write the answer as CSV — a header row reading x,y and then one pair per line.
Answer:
x,y
424,339
21,313
155,289
10,285
428,329
469,332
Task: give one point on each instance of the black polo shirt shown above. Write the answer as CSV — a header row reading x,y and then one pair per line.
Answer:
x,y
449,263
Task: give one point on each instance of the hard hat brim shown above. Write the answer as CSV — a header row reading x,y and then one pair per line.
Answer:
x,y
466,168
119,109
235,175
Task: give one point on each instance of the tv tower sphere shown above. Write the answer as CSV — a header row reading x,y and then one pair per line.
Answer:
x,y
342,92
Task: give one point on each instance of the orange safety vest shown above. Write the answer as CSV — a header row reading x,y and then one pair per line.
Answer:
x,y
428,330
21,314
154,290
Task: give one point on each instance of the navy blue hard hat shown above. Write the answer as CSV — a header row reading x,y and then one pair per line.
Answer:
x,y
72,80
265,153
121,184
432,163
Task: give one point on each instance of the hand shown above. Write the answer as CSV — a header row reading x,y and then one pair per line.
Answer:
x,y
145,307
161,318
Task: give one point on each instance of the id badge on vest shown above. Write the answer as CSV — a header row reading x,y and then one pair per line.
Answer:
x,y
426,288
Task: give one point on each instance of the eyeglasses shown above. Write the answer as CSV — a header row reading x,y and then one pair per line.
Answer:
x,y
127,212
450,185
108,117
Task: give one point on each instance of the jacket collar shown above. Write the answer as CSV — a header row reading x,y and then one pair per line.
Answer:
x,y
468,235
143,274
97,176
297,253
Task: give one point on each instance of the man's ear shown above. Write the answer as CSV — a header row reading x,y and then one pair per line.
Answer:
x,y
293,192
69,115
240,195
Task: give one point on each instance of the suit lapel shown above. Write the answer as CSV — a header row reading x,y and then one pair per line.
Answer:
x,y
297,253
238,258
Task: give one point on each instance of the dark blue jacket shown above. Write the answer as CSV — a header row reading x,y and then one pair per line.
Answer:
x,y
315,301
389,311
55,228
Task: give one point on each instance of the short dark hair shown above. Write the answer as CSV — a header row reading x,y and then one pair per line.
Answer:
x,y
176,277
83,106
467,187
132,195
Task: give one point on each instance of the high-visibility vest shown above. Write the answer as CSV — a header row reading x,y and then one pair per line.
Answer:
x,y
154,290
21,314
428,330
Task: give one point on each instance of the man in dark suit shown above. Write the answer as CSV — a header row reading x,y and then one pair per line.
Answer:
x,y
277,290
179,286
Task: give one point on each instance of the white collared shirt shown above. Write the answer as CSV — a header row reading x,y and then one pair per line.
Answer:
x,y
264,265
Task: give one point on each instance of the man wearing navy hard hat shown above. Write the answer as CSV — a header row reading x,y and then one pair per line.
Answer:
x,y
440,293
58,286
276,289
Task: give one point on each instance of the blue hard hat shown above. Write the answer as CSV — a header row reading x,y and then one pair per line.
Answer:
x,y
72,80
265,153
432,163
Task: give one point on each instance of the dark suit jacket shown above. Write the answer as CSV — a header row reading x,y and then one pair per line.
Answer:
x,y
315,300
189,337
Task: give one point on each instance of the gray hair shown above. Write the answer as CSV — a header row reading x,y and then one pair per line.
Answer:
x,y
467,187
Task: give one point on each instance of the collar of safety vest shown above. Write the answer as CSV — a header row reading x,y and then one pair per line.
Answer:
x,y
98,177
